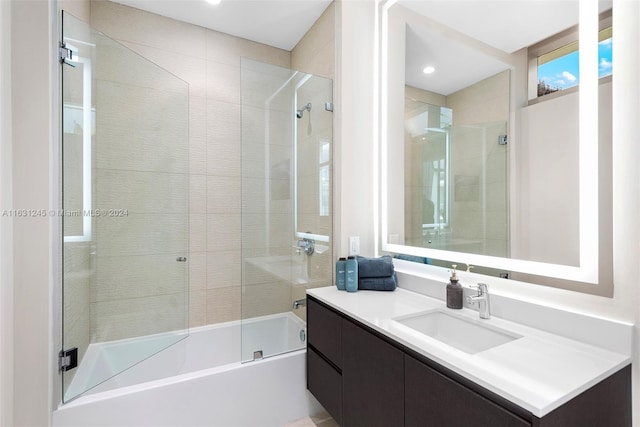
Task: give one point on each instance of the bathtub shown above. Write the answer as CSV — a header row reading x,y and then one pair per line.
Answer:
x,y
200,381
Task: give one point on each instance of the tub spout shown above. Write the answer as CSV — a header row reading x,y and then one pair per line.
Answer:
x,y
297,303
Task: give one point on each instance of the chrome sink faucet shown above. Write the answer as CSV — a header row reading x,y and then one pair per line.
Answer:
x,y
482,298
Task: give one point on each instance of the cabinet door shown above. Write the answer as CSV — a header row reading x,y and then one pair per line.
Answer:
x,y
324,331
372,380
435,400
325,383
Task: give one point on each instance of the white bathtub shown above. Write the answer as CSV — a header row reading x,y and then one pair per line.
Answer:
x,y
200,381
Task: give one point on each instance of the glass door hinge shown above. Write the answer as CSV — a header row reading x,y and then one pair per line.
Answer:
x,y
65,54
67,359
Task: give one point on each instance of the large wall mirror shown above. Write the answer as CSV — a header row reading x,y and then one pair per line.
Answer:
x,y
496,137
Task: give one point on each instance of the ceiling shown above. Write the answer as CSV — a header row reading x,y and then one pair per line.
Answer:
x,y
278,23
456,65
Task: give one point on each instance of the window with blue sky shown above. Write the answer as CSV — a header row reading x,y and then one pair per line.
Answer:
x,y
559,69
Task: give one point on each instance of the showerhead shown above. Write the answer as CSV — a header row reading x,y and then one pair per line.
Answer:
x,y
300,112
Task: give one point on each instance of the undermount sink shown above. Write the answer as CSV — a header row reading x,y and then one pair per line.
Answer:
x,y
464,334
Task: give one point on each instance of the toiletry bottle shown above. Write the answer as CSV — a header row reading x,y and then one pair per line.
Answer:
x,y
454,291
341,270
351,281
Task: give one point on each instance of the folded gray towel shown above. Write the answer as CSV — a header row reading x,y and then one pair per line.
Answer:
x,y
378,283
375,267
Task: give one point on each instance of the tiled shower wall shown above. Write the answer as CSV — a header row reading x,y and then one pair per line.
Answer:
x,y
210,62
315,54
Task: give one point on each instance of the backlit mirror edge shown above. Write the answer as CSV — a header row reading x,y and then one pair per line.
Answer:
x,y
587,271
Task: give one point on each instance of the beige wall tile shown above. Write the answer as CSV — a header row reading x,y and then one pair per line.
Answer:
x,y
198,116
198,194
223,82
227,49
119,148
223,195
113,58
222,48
261,231
198,232
126,318
187,68
197,308
141,234
122,277
223,304
134,25
223,121
264,86
223,157
315,52
142,192
266,298
80,9
198,156
223,269
223,232
263,53
197,271
266,127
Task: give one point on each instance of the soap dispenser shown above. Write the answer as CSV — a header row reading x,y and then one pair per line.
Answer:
x,y
454,291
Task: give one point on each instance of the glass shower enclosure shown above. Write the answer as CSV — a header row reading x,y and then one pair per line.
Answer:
x,y
287,207
125,208
456,182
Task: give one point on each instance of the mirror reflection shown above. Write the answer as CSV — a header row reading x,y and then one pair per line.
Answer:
x,y
480,162
456,174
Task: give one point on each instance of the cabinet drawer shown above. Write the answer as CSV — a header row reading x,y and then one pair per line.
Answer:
x,y
435,400
325,383
325,331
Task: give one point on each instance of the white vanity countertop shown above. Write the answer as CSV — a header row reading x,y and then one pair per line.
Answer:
x,y
539,371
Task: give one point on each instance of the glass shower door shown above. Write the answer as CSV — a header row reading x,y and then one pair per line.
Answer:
x,y
125,216
287,140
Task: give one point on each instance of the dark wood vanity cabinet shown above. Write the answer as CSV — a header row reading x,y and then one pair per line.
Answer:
x,y
443,402
372,379
324,357
364,378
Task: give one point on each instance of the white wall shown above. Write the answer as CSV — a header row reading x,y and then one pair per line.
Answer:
x,y
355,132
32,102
6,225
547,192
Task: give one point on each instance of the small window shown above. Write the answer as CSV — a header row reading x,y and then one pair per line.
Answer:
x,y
554,62
559,69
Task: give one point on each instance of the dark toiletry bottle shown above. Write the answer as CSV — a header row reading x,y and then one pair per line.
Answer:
x,y
454,291
351,282
341,271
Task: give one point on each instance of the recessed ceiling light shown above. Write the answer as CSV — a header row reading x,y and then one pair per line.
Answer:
x,y
428,69
213,2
